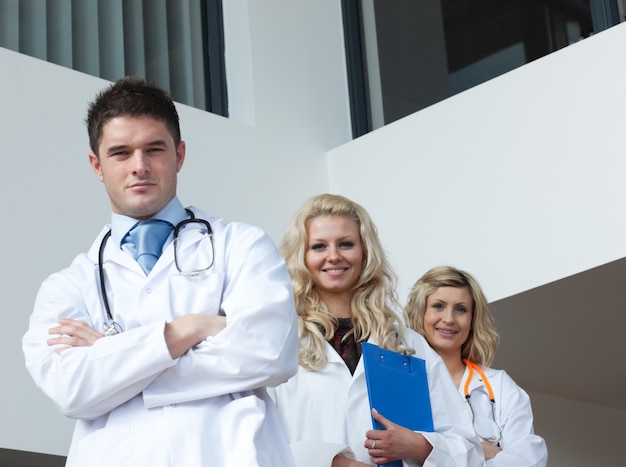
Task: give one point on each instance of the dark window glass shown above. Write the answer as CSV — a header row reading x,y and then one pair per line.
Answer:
x,y
417,53
489,37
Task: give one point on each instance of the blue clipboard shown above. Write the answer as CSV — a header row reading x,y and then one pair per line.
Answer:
x,y
397,386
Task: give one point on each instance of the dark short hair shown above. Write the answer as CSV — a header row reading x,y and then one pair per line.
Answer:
x,y
131,97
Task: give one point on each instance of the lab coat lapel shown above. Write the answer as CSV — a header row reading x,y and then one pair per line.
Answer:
x,y
335,359
111,253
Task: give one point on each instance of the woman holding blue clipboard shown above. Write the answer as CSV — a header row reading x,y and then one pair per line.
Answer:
x,y
344,294
448,307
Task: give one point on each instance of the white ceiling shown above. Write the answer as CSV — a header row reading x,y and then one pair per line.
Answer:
x,y
566,338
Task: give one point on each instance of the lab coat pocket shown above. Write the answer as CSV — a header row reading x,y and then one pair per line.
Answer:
x,y
244,437
196,294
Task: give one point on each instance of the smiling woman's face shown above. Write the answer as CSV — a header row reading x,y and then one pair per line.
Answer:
x,y
448,319
334,255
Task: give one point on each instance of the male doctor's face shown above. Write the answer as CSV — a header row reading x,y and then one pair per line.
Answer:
x,y
138,163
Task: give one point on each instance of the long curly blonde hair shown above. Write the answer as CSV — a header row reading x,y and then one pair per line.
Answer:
x,y
374,296
480,346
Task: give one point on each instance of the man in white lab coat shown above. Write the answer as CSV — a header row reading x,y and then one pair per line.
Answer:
x,y
165,366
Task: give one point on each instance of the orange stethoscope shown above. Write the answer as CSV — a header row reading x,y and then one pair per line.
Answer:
x,y
479,425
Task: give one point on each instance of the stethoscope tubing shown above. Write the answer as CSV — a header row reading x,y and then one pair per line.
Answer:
x,y
471,366
103,294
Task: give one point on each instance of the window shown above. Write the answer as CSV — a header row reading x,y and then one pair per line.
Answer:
x,y
177,44
407,55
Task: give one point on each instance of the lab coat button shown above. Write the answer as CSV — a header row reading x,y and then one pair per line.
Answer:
x,y
148,290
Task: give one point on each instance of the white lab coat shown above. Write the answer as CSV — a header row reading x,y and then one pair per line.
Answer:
x,y
513,413
136,406
327,412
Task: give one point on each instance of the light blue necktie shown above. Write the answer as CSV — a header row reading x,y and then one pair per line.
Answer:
x,y
149,237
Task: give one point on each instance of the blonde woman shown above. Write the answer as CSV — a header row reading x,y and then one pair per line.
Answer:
x,y
344,294
448,307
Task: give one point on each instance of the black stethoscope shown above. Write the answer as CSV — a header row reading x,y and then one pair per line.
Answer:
x,y
111,327
492,438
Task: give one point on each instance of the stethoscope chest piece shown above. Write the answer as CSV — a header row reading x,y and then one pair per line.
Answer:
x,y
110,328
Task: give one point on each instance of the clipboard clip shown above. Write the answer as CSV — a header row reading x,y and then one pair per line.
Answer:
x,y
397,362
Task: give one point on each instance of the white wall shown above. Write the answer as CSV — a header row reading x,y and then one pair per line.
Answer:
x,y
525,169
256,167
